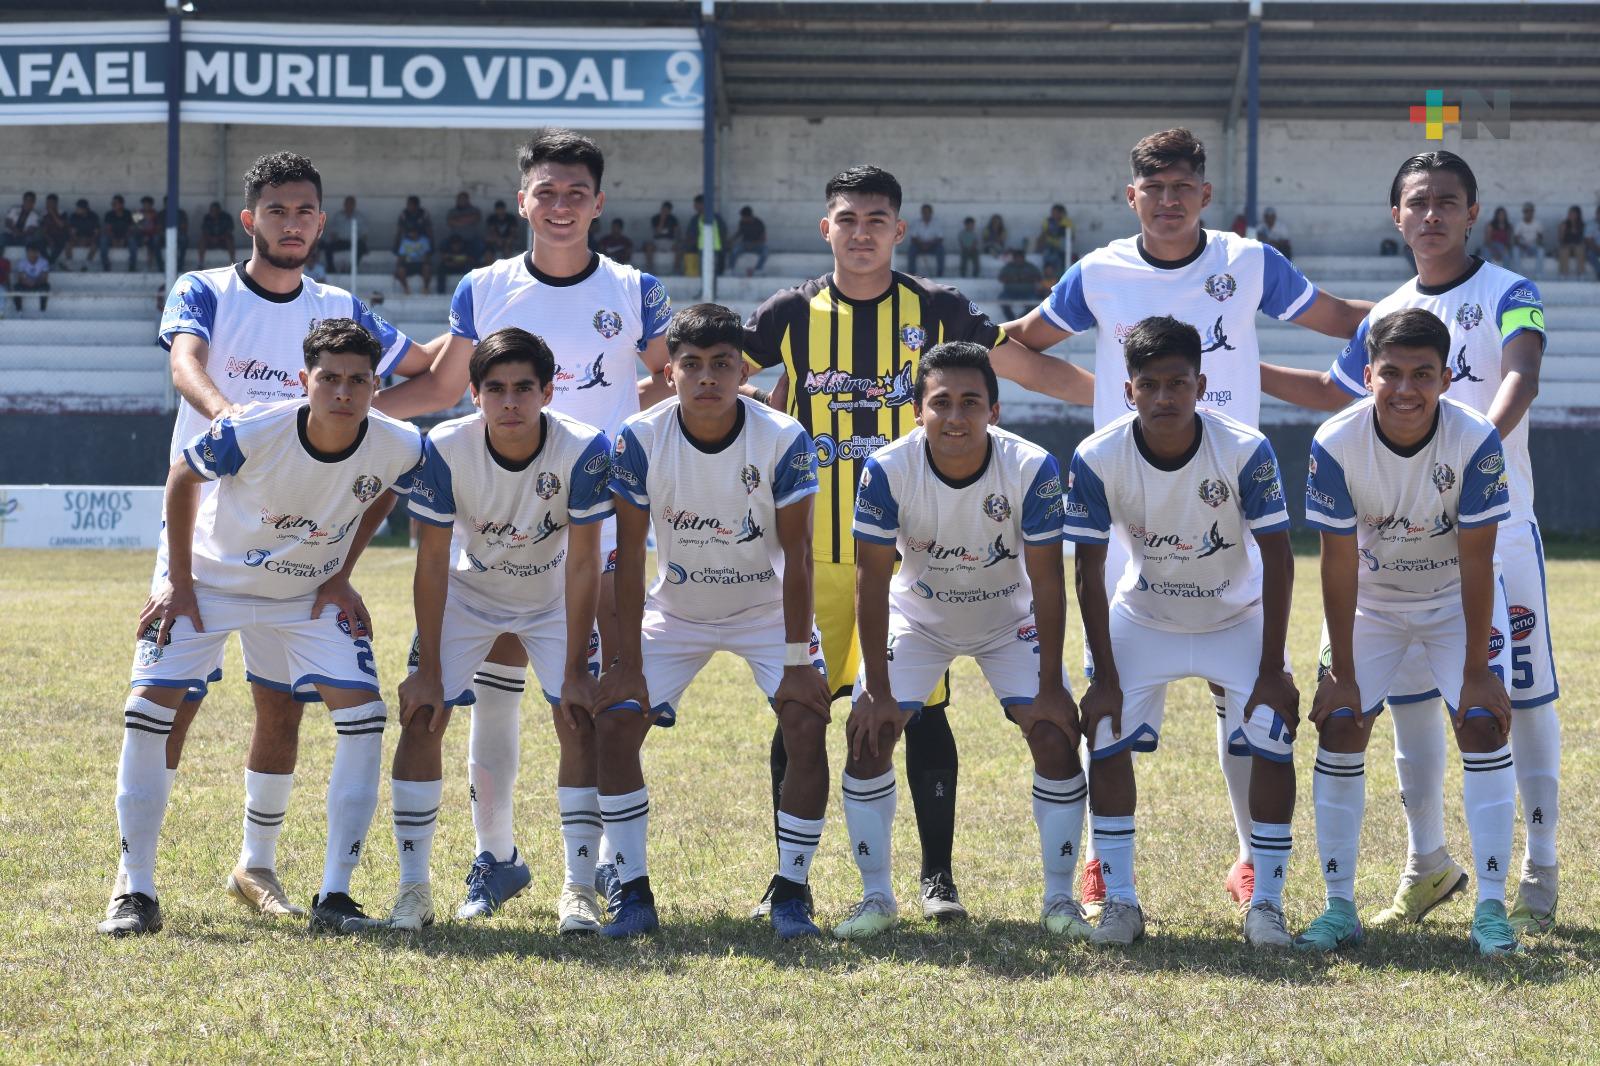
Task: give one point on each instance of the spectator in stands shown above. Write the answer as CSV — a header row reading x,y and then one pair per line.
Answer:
x,y
501,230
31,275
1591,243
1528,239
994,238
466,221
967,247
1497,237
1053,239
1569,243
117,231
84,229
1019,282
53,229
926,240
616,245
665,236
412,216
22,220
1241,225
413,255
1272,232
336,236
691,239
749,236
454,260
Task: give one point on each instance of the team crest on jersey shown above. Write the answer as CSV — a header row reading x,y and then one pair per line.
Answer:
x,y
1523,622
366,488
997,507
1221,286
1468,316
547,485
1444,479
913,337
607,323
750,477
1214,493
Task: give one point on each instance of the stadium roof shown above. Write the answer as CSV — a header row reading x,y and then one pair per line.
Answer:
x,y
1018,57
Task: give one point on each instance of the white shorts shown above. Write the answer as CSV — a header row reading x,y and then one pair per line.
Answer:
x,y
918,661
1530,667
675,651
1149,659
1116,563
285,649
468,634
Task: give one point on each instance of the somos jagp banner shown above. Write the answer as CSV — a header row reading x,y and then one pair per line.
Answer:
x,y
80,516
354,75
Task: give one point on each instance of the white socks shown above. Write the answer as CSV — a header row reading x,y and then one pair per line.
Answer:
x,y
869,815
266,804
1339,793
493,753
1489,794
1270,846
352,790
580,832
1536,744
627,820
797,845
1113,843
416,819
1236,773
143,785
1419,763
1058,812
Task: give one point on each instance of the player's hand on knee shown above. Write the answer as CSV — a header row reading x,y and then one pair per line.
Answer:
x,y
623,683
873,718
807,686
169,604
1101,701
580,697
1053,706
338,591
1335,694
423,692
1276,689
1484,689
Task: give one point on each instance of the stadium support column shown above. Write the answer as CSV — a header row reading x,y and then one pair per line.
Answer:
x,y
174,119
707,25
1253,110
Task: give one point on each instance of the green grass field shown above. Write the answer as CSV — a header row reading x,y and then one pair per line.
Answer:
x,y
219,984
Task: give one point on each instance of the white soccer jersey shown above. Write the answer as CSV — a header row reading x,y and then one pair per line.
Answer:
x,y
510,520
277,524
596,322
1217,290
962,575
1405,505
714,508
1484,309
1187,526
256,337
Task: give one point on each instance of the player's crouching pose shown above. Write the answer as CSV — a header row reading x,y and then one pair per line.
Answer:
x,y
1194,499
727,484
511,499
301,489
957,497
1407,488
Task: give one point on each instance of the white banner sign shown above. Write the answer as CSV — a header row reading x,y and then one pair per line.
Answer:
x,y
80,516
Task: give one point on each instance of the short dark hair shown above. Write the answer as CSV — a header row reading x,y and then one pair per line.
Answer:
x,y
1429,162
705,325
30,195
512,345
561,146
1157,336
867,180
339,336
1165,149
956,355
279,168
1411,327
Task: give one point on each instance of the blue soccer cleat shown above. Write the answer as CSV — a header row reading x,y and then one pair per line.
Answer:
x,y
636,915
791,919
490,884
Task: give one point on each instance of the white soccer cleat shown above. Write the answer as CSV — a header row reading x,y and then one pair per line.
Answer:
x,y
1063,916
1264,926
412,911
260,890
578,910
1121,923
875,914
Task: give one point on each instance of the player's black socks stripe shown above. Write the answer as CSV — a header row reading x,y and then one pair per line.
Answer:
x,y
1071,796
264,818
1332,770
1482,763
495,684
867,795
627,814
148,729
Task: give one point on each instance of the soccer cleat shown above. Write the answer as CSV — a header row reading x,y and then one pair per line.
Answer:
x,y
1418,894
260,890
1264,926
413,907
791,919
1491,931
338,913
131,914
490,884
578,910
1535,911
1241,883
636,915
1092,888
608,886
764,908
940,900
1063,916
876,913
1121,923
1335,928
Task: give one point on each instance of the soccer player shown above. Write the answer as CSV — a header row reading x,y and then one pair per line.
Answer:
x,y
510,500
235,334
1195,500
1406,488
599,319
976,514
849,342
301,489
726,484
1213,280
1497,337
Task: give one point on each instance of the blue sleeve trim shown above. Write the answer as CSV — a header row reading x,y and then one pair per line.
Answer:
x,y
462,323
1043,508
876,507
191,308
1328,502
1087,510
1285,292
796,473
655,310
1066,305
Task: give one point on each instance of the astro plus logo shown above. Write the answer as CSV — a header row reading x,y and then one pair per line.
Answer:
x,y
1433,114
